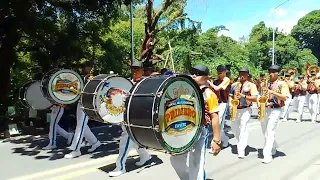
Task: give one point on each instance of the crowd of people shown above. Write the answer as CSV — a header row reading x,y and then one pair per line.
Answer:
x,y
223,97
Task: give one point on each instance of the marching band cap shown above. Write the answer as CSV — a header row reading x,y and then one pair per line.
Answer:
x,y
244,70
202,68
262,74
137,64
221,68
275,68
300,76
313,73
286,74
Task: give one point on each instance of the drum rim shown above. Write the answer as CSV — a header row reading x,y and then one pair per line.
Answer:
x,y
55,74
108,76
38,109
201,102
23,101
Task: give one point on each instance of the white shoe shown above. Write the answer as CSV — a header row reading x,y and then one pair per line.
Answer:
x,y
143,160
116,173
49,147
73,154
94,146
267,160
241,155
313,122
284,120
274,152
298,121
70,138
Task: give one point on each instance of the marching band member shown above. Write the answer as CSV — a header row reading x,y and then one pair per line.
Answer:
x,y
313,96
300,96
290,83
277,93
126,144
243,93
195,169
56,114
221,88
82,128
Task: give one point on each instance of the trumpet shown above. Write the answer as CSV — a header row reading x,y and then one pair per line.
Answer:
x,y
235,101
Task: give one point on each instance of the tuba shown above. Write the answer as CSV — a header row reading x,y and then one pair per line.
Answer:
x,y
263,100
235,102
292,72
313,69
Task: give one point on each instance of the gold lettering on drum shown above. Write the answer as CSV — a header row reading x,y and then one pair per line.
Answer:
x,y
190,112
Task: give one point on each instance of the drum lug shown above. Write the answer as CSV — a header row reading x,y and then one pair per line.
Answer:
x,y
156,128
159,94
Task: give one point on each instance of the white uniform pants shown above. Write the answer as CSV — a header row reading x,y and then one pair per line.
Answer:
x,y
82,130
56,114
195,170
125,145
313,106
299,105
269,130
240,128
285,112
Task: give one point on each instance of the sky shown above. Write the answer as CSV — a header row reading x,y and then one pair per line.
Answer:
x,y
239,16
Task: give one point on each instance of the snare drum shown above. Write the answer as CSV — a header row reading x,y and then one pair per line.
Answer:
x,y
165,113
22,94
103,98
35,98
62,86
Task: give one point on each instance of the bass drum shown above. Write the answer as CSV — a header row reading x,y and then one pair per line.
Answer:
x,y
62,86
35,98
103,98
22,94
165,113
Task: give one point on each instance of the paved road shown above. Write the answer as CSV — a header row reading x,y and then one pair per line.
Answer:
x,y
298,158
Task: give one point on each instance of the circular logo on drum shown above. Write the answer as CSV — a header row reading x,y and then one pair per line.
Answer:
x,y
65,87
110,101
180,112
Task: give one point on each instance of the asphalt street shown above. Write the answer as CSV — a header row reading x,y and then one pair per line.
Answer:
x,y
298,158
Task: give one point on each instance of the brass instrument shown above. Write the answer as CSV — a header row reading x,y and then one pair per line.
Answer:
x,y
263,100
235,101
292,72
313,69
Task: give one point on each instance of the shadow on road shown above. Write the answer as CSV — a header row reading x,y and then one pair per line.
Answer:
x,y
130,164
278,154
248,150
31,145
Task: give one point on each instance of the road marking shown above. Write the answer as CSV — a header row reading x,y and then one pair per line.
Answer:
x,y
91,169
72,167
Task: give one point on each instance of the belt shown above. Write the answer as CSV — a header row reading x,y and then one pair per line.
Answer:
x,y
243,107
222,101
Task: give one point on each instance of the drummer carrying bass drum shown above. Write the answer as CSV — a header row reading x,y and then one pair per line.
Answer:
x,y
126,144
195,169
82,128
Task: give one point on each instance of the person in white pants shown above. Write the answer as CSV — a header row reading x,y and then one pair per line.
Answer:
x,y
285,111
313,97
245,92
278,93
195,168
82,128
126,144
300,97
221,87
56,114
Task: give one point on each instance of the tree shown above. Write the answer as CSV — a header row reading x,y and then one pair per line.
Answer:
x,y
307,32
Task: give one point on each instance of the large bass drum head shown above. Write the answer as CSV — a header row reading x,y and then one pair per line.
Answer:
x,y
65,86
181,114
110,100
35,98
22,94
